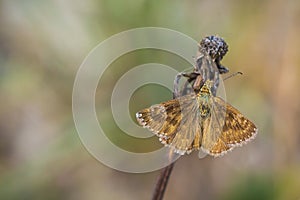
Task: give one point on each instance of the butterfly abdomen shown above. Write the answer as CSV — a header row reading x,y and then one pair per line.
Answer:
x,y
204,111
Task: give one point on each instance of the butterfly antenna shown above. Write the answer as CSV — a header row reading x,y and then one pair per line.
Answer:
x,y
232,75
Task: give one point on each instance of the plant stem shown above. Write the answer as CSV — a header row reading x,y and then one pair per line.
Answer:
x,y
164,177
162,182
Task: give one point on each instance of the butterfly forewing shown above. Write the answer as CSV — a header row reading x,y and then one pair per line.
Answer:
x,y
176,122
235,131
237,128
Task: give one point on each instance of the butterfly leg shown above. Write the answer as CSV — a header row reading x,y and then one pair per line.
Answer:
x,y
193,78
176,90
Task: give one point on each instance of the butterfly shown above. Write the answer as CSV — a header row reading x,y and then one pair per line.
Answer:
x,y
198,121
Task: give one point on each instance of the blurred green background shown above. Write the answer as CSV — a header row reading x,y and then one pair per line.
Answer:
x,y
42,45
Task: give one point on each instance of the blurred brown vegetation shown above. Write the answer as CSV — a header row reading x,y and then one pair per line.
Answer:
x,y
42,45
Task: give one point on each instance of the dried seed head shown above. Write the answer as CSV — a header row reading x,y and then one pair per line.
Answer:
x,y
214,46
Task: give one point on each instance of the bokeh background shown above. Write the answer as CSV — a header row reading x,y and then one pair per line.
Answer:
x,y
42,45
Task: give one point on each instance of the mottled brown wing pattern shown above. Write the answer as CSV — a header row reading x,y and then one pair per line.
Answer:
x,y
212,125
175,122
182,124
236,129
